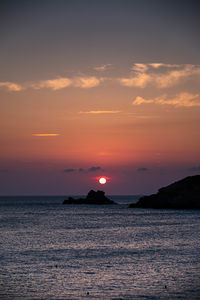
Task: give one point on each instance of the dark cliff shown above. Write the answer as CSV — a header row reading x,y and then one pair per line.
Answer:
x,y
183,194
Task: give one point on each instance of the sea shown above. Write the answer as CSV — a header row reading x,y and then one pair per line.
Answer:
x,y
53,251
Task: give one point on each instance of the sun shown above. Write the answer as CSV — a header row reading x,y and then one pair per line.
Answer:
x,y
102,180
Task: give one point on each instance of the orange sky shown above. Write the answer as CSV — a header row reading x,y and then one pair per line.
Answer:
x,y
134,115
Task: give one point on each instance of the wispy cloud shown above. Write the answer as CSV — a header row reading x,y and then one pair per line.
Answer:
x,y
140,80
45,134
139,67
140,100
84,82
102,67
94,169
81,170
159,65
87,82
97,112
11,86
54,84
175,76
69,170
142,169
159,74
182,99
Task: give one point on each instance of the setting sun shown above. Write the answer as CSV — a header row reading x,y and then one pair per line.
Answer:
x,y
102,180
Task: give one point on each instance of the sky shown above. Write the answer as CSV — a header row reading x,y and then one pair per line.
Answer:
x,y
98,88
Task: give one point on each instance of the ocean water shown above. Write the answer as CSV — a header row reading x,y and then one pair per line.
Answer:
x,y
53,251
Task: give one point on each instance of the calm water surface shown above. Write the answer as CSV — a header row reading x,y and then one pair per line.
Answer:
x,y
54,251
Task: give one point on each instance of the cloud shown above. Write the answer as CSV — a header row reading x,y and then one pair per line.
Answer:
x,y
139,100
54,84
69,170
140,80
167,76
160,75
182,99
173,77
87,82
142,169
11,86
45,134
102,67
158,65
97,112
91,169
94,169
140,67
64,82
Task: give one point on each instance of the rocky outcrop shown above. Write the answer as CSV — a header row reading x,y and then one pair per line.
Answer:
x,y
183,194
92,198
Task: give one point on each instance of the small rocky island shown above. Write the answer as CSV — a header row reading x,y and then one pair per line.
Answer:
x,y
91,198
183,194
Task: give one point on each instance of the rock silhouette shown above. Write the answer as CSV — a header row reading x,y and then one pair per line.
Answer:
x,y
183,194
91,198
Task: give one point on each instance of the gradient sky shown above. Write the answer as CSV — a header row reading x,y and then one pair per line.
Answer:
x,y
92,88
